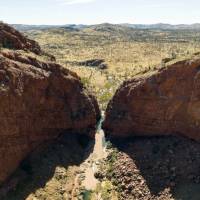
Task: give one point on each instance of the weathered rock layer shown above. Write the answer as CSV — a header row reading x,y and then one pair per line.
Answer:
x,y
165,103
13,39
39,101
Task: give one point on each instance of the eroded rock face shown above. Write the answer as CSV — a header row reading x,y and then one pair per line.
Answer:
x,y
38,102
13,39
165,103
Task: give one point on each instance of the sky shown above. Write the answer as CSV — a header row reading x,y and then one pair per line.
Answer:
x,y
59,12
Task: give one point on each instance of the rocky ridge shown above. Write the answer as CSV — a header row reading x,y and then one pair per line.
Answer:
x,y
164,103
39,101
13,39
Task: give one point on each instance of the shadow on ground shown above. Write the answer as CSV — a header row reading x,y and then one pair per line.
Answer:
x,y
47,168
171,163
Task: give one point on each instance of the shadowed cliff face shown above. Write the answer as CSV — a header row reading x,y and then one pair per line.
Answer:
x,y
39,101
165,103
156,168
48,172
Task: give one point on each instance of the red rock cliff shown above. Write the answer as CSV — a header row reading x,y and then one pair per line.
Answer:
x,y
13,39
38,101
165,103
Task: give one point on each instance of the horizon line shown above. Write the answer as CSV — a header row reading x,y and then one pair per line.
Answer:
x,y
101,23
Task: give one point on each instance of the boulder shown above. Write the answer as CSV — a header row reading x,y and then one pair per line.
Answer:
x,y
166,102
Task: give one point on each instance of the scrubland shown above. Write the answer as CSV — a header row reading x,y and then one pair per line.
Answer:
x,y
127,52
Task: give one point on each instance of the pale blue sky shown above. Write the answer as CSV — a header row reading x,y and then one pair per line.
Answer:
x,y
99,11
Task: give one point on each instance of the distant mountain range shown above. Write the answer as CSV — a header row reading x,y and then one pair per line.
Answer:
x,y
160,26
164,26
23,27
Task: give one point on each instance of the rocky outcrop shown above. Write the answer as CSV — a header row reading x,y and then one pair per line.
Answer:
x,y
95,63
13,39
165,103
39,101
98,63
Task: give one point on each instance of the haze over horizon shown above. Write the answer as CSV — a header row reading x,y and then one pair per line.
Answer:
x,y
59,12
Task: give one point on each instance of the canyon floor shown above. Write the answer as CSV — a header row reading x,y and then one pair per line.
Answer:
x,y
141,168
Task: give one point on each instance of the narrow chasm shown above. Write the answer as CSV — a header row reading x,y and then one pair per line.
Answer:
x,y
86,181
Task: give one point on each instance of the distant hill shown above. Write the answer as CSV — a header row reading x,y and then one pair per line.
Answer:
x,y
163,26
106,27
23,27
110,27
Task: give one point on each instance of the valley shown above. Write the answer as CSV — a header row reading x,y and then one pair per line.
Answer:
x,y
126,51
115,116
